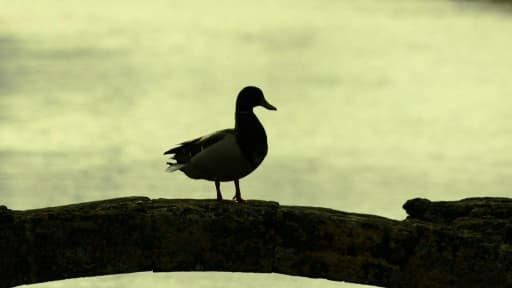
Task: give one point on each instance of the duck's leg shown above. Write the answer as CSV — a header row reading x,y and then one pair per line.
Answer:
x,y
238,196
217,187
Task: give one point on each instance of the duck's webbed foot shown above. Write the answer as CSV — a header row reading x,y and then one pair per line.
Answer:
x,y
238,196
238,199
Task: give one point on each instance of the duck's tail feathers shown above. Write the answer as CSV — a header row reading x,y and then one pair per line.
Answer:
x,y
174,150
174,167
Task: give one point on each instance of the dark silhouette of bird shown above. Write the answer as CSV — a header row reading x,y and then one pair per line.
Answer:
x,y
229,154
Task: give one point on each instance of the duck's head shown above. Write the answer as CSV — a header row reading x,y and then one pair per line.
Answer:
x,y
251,97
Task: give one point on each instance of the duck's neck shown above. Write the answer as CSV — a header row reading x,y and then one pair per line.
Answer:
x,y
251,136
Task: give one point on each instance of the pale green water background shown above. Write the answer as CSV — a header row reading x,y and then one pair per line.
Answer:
x,y
379,102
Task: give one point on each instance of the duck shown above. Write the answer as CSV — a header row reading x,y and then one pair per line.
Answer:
x,y
229,154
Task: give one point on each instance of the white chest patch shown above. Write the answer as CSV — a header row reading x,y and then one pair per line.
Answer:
x,y
222,161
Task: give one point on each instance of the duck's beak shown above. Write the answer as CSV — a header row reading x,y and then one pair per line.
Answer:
x,y
267,105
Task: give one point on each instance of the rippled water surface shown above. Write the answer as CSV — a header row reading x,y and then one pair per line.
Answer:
x,y
379,102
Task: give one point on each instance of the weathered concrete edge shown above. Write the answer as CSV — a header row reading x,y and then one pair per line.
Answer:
x,y
305,241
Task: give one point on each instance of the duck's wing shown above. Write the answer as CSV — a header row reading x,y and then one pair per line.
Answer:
x,y
188,149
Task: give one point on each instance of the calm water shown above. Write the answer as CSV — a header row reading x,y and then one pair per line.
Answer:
x,y
379,102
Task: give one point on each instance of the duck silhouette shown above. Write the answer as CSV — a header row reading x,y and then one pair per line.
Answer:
x,y
228,154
